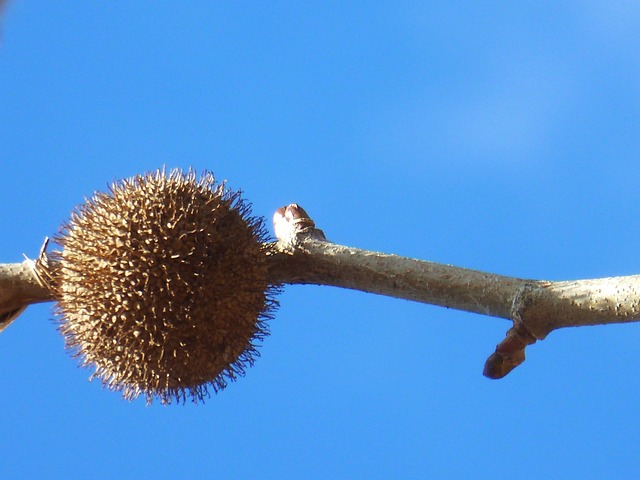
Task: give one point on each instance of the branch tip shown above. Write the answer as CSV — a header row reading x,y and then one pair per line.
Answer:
x,y
509,353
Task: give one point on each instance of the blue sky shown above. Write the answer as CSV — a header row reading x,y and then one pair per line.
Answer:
x,y
501,136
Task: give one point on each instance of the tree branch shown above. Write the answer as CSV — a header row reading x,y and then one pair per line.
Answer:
x,y
19,287
302,255
536,308
543,306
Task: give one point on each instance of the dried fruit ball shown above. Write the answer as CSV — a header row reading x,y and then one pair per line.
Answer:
x,y
162,285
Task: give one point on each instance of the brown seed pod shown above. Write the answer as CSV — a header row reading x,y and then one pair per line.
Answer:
x,y
162,286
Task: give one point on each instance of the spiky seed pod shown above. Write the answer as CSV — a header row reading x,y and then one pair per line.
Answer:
x,y
162,285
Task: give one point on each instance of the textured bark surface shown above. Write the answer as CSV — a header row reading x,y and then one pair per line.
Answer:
x,y
322,263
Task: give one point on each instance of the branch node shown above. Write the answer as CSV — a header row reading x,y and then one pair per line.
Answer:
x,y
510,352
42,267
35,273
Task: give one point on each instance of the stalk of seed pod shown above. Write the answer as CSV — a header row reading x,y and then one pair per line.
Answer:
x,y
162,286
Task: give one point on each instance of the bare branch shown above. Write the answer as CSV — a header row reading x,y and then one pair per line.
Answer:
x,y
312,261
19,287
543,306
302,255
536,308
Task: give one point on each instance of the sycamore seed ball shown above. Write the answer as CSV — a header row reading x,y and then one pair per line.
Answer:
x,y
162,286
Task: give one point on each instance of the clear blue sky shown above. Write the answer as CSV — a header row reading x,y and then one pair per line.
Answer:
x,y
501,136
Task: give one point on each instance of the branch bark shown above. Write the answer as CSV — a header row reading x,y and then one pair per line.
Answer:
x,y
19,287
536,307
302,255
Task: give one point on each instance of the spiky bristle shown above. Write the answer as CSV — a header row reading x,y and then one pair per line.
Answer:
x,y
162,285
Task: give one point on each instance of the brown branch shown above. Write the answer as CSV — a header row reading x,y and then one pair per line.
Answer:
x,y
318,262
536,308
302,255
19,287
